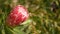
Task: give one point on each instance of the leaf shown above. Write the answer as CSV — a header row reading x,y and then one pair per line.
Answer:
x,y
26,22
8,30
0,27
17,31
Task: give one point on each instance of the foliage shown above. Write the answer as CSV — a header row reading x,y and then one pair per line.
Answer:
x,y
43,20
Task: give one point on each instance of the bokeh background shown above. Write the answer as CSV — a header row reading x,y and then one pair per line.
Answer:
x,y
44,17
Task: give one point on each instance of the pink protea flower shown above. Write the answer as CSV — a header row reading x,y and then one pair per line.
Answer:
x,y
18,15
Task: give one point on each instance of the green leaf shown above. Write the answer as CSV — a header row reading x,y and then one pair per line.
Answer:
x,y
26,22
17,31
0,27
8,30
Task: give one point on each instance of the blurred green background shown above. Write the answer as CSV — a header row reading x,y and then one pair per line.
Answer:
x,y
44,17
